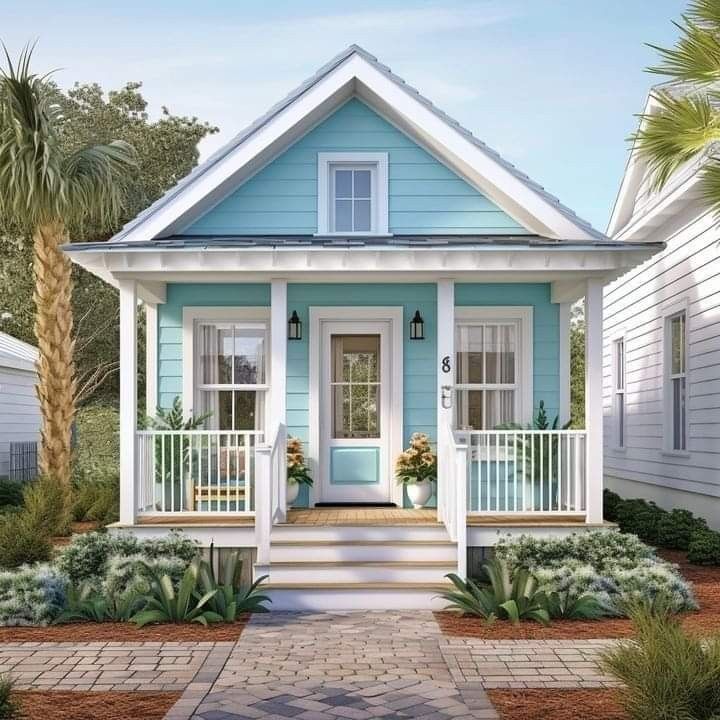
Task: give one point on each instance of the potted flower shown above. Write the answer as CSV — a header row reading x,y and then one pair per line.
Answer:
x,y
297,472
416,468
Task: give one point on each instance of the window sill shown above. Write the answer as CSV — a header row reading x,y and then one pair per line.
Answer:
x,y
676,453
352,234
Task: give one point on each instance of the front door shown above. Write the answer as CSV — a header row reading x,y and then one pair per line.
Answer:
x,y
355,412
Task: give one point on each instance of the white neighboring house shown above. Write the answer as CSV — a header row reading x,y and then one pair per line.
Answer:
x,y
19,406
662,347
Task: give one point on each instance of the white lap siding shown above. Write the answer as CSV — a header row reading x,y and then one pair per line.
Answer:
x,y
19,411
686,272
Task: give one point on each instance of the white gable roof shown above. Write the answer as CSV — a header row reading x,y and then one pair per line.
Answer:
x,y
356,72
16,354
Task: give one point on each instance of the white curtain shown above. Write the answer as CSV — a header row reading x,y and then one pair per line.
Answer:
x,y
208,401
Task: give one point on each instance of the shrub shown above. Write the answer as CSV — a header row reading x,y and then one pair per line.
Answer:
x,y
704,548
22,542
85,603
97,454
612,567
31,595
11,493
47,504
96,500
675,529
666,672
87,557
8,708
129,575
640,518
611,503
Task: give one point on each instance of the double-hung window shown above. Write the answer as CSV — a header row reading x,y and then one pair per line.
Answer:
x,y
619,359
676,378
493,377
352,193
231,374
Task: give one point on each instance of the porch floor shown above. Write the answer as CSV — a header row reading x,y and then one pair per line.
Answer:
x,y
509,520
211,520
361,516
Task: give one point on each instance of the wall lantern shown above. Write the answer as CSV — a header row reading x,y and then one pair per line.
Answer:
x,y
294,327
417,327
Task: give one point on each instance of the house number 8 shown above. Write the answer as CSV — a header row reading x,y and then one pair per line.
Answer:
x,y
445,364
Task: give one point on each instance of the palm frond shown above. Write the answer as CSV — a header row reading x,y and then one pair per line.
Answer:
x,y
705,11
695,57
682,129
710,184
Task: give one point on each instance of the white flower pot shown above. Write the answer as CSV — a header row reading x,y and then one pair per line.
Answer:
x,y
419,493
291,493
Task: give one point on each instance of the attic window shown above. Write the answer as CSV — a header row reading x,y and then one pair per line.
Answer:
x,y
352,194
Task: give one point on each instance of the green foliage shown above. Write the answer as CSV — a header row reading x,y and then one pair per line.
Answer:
x,y
96,500
501,594
676,528
566,606
704,548
174,418
88,556
166,151
640,518
297,470
31,595
97,454
84,603
417,462
11,493
48,506
666,673
8,708
611,505
230,598
577,369
165,604
612,567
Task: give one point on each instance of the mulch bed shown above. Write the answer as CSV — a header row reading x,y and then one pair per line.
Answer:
x,y
555,704
41,705
705,580
76,528
124,632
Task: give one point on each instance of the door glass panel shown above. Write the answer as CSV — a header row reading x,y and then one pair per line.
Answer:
x,y
355,386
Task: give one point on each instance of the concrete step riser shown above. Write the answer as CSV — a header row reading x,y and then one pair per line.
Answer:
x,y
322,600
363,553
340,533
358,574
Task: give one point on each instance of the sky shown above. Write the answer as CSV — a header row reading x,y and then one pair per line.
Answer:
x,y
553,85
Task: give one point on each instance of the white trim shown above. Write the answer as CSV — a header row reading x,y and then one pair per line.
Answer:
x,y
514,195
278,353
192,314
619,443
320,315
151,369
523,315
564,369
594,399
669,311
128,401
376,161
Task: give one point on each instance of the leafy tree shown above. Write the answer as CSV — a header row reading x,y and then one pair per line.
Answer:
x,y
577,367
46,189
166,151
687,123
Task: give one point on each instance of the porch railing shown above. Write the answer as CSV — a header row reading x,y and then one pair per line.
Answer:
x,y
271,494
527,471
453,469
196,471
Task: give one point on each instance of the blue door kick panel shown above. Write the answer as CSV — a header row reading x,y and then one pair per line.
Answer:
x,y
354,465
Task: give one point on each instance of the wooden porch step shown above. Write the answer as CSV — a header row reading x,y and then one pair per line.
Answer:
x,y
365,563
335,543
430,587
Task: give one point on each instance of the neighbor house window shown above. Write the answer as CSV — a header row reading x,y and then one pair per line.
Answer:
x,y
231,374
492,372
619,358
675,353
352,194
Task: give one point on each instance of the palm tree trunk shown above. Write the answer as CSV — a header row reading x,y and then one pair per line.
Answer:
x,y
56,368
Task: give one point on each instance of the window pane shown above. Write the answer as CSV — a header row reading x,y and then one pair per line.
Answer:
x,y
249,357
343,215
470,409
500,354
362,184
215,354
356,411
248,410
469,357
499,407
679,439
362,216
356,358
222,417
677,347
343,183
621,420
620,364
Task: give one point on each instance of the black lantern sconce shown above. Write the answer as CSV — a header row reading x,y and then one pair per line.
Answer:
x,y
417,327
294,327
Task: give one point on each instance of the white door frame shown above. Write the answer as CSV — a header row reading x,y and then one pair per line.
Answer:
x,y
392,315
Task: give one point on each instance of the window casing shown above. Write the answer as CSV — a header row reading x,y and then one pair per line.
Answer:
x,y
493,367
620,419
676,379
352,194
230,373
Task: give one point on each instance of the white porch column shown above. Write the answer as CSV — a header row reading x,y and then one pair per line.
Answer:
x,y
594,398
278,354
151,400
445,377
128,400
565,365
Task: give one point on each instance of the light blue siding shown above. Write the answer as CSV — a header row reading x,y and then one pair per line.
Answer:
x,y
425,197
170,318
546,330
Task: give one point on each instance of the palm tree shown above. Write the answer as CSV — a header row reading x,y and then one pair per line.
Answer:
x,y
48,191
687,122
